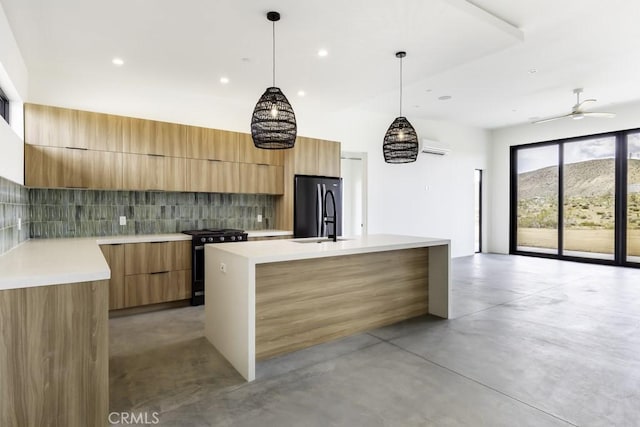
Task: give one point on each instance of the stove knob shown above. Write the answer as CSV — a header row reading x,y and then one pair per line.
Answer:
x,y
203,239
233,237
210,239
222,238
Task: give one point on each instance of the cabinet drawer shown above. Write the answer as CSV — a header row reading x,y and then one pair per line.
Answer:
x,y
142,258
143,289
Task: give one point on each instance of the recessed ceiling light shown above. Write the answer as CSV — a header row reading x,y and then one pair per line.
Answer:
x,y
224,80
444,97
323,52
117,61
301,93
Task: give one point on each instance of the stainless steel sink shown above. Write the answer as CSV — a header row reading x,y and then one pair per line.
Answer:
x,y
321,240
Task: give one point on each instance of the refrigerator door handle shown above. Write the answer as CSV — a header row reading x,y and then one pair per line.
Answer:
x,y
324,201
319,220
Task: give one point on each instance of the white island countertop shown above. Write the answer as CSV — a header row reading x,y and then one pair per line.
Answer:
x,y
265,251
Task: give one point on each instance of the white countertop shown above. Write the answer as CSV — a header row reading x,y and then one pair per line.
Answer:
x,y
264,251
269,233
44,262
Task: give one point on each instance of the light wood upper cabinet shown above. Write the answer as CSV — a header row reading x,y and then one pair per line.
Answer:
x,y
213,176
62,127
157,257
212,144
55,167
151,137
114,254
261,179
317,157
151,172
250,154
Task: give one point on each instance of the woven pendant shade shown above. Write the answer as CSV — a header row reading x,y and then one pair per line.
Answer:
x,y
273,123
400,142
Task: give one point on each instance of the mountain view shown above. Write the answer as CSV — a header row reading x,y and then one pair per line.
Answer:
x,y
589,209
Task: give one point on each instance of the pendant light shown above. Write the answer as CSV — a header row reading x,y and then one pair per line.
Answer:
x,y
273,123
401,141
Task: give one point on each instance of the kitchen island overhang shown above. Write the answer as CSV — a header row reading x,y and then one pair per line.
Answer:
x,y
267,298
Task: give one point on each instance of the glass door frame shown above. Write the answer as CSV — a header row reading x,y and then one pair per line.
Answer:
x,y
620,209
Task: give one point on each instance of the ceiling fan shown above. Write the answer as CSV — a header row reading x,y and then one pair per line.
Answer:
x,y
577,112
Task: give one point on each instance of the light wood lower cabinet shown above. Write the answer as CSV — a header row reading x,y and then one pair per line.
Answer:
x,y
54,355
261,179
153,172
55,167
154,257
211,176
153,288
114,254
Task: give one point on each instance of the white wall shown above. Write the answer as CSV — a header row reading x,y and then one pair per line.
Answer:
x,y
13,80
398,201
628,117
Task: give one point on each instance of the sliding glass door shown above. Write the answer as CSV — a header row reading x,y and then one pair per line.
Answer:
x,y
633,197
578,198
589,187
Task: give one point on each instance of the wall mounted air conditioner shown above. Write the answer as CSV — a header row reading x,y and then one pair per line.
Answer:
x,y
430,146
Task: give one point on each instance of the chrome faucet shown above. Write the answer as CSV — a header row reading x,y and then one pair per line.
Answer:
x,y
331,219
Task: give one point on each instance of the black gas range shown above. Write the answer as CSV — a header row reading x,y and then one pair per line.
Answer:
x,y
198,239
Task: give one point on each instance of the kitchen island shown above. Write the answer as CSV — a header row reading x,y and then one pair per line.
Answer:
x,y
267,298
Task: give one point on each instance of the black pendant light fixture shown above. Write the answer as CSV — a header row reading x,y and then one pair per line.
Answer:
x,y
273,123
401,141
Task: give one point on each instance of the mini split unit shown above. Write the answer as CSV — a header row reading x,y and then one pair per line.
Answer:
x,y
430,146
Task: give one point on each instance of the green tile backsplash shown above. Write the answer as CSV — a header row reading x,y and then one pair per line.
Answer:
x,y
14,204
84,213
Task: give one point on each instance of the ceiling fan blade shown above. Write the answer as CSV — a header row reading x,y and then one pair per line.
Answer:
x,y
577,107
550,119
605,115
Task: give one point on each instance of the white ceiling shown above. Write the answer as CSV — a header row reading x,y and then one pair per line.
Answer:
x,y
479,52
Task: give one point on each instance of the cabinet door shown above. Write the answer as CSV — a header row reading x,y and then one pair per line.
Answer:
x,y
250,154
261,179
55,167
153,172
61,127
212,144
306,156
157,257
143,289
210,176
151,137
114,254
329,158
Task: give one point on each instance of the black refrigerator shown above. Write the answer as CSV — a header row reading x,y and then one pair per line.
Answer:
x,y
311,195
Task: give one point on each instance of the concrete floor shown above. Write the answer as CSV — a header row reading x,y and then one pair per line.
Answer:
x,y
532,342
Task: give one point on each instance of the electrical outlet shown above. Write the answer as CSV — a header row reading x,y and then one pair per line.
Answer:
x,y
259,218
123,220
223,267
19,224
